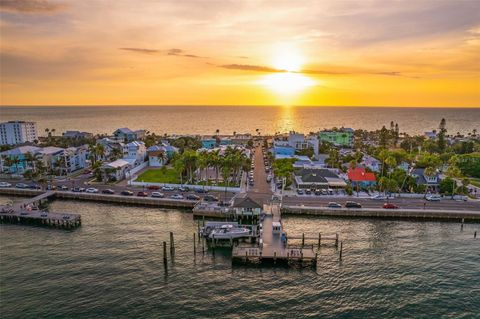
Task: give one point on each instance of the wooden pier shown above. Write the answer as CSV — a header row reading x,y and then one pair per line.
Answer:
x,y
8,215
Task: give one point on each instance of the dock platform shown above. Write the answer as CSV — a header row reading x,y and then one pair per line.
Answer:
x,y
8,215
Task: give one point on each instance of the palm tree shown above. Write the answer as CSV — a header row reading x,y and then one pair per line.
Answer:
x,y
162,157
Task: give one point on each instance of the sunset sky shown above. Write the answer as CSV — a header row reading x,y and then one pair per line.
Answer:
x,y
372,53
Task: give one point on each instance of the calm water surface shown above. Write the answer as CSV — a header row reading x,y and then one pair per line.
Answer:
x,y
112,267
246,119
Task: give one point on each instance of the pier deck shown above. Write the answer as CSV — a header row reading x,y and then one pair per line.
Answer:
x,y
10,215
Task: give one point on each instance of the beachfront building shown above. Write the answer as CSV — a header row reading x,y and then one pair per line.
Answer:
x,y
16,161
115,171
77,134
431,182
317,178
125,134
338,137
294,143
17,132
245,206
158,155
360,178
112,148
134,152
371,162
209,143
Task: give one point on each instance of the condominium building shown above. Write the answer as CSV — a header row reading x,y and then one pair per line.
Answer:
x,y
17,132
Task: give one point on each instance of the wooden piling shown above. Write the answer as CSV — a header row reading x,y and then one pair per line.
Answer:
x,y
172,244
274,257
341,250
336,240
461,226
475,234
303,239
165,252
194,245
319,240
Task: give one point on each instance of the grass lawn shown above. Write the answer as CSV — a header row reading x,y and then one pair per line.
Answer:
x,y
169,176
220,184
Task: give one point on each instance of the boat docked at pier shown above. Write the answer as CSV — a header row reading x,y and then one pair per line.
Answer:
x,y
229,232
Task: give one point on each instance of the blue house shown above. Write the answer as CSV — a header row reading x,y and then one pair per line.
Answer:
x,y
209,143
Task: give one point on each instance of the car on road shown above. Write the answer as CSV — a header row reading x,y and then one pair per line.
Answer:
x,y
126,193
108,191
5,184
300,192
433,198
142,194
153,187
158,195
44,214
21,185
184,189
269,178
78,189
51,187
390,206
34,186
176,196
210,198
168,188
91,190
352,205
308,192
334,205
378,197
201,190
460,198
193,197
63,187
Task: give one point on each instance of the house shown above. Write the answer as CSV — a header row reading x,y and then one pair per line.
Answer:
x,y
112,148
282,148
315,178
209,143
360,178
245,206
372,163
16,161
77,134
157,156
431,135
422,179
338,137
115,171
134,152
127,135
75,158
17,132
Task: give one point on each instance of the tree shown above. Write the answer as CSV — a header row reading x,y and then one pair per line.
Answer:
x,y
447,186
441,136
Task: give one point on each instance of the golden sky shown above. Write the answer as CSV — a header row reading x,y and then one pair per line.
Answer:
x,y
372,53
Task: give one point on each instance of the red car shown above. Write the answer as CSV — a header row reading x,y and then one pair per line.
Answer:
x,y
389,206
154,187
142,194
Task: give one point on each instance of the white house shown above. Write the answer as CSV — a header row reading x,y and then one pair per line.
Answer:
x,y
134,152
116,170
372,163
17,132
157,155
300,142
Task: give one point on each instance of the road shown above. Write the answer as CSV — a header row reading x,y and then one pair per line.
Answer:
x,y
261,191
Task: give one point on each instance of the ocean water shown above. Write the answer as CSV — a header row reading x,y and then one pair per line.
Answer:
x,y
241,119
112,267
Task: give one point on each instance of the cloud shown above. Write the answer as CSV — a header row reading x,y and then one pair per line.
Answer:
x,y
140,50
248,67
180,52
29,6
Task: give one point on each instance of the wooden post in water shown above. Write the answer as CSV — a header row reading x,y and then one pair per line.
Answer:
x,y
475,234
203,220
341,249
336,240
203,246
198,229
172,244
303,239
165,252
319,240
463,220
274,257
194,245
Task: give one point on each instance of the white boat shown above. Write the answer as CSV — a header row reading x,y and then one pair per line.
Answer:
x,y
229,232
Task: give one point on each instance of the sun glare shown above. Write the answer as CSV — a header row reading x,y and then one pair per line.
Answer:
x,y
287,83
287,59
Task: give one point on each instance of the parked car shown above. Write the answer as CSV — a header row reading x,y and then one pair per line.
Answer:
x,y
390,206
63,187
184,189
176,196
460,198
91,190
378,197
168,188
34,186
158,195
433,198
51,187
300,191
210,198
5,184
193,197
201,190
127,193
66,217
352,205
324,192
108,191
334,205
317,192
308,192
78,189
153,187
142,194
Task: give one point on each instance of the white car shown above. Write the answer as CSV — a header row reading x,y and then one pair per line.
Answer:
x,y
91,190
378,197
168,188
5,184
433,198
176,196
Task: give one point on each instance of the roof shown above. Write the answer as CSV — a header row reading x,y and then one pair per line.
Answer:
x,y
21,150
124,130
246,202
119,163
314,176
51,150
359,174
134,143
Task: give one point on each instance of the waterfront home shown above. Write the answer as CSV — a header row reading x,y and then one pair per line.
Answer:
x,y
372,163
134,152
77,134
282,148
17,132
111,148
15,161
317,178
359,177
115,171
421,179
158,155
75,158
245,206
338,137
127,135
301,142
209,143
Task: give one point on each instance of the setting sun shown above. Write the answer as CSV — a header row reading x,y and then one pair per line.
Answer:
x,y
287,58
287,83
